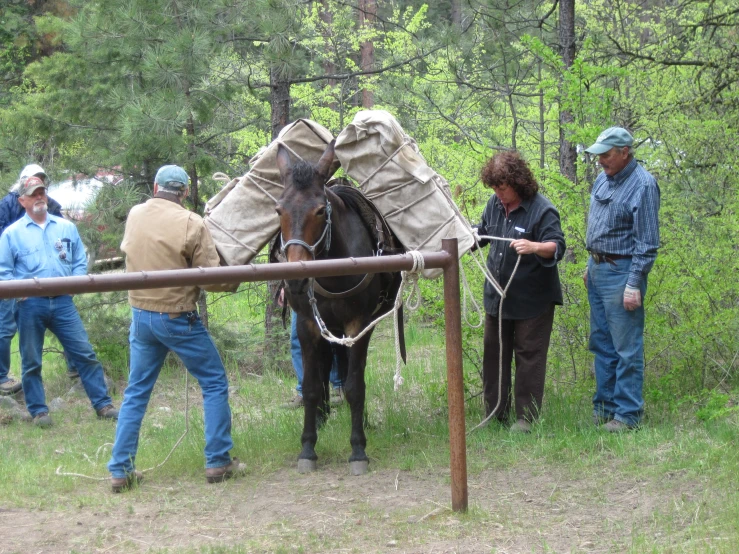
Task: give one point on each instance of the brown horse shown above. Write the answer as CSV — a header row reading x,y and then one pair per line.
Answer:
x,y
321,222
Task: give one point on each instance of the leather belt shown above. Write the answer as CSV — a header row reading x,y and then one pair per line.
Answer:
x,y
600,258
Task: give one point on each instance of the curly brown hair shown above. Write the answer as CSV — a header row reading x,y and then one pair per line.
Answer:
x,y
509,168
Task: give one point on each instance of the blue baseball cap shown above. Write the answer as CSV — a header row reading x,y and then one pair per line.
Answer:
x,y
172,177
613,136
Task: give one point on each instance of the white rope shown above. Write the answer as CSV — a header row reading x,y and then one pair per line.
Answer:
x,y
219,176
407,277
97,453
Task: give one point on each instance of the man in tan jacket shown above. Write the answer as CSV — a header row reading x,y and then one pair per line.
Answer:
x,y
161,234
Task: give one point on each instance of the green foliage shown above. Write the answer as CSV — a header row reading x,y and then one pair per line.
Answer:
x,y
136,83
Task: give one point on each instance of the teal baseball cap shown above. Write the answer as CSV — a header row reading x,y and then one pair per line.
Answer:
x,y
613,136
172,177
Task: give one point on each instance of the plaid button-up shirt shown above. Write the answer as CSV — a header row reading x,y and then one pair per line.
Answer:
x,y
623,218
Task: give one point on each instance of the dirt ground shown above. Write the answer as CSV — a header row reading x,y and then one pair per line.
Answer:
x,y
511,511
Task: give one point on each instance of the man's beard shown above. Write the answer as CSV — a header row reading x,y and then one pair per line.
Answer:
x,y
40,208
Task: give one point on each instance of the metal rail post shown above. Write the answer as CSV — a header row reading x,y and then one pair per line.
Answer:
x,y
455,381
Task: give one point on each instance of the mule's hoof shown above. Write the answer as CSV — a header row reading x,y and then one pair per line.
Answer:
x,y
358,468
306,466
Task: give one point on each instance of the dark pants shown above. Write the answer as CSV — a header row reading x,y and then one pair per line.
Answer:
x,y
529,339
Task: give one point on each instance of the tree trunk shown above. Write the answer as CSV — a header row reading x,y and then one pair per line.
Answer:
x,y
367,18
279,100
455,14
329,68
275,342
567,152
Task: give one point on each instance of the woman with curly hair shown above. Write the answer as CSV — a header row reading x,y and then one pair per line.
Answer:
x,y
530,224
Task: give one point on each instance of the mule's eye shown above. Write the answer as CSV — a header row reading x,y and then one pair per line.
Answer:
x,y
320,212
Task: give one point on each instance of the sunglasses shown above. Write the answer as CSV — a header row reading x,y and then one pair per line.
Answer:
x,y
604,199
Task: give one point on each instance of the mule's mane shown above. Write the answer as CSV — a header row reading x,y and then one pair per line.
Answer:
x,y
303,174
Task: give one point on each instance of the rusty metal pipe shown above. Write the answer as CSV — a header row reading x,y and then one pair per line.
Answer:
x,y
212,276
455,380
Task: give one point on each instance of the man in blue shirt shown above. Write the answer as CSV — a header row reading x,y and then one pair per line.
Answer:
x,y
43,245
10,212
622,238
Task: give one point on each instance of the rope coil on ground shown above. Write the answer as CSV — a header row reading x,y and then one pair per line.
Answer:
x,y
160,464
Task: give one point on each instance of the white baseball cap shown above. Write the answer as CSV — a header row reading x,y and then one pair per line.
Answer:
x,y
31,170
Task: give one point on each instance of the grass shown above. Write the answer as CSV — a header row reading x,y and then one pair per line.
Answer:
x,y
672,486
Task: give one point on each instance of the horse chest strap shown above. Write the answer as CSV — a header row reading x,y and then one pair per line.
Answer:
x,y
363,284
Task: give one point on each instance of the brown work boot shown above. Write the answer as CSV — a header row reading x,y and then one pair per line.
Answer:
x,y
42,420
616,426
294,404
337,396
521,426
220,474
11,386
107,412
120,484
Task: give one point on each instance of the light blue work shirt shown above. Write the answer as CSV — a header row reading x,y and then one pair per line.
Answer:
x,y
28,250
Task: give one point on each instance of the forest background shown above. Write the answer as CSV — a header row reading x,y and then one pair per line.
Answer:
x,y
129,85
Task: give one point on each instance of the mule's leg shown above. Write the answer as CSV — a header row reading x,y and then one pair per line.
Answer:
x,y
316,355
355,396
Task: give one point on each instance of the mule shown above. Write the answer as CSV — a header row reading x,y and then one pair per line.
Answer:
x,y
330,222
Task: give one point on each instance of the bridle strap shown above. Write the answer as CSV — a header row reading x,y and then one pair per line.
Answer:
x,y
312,248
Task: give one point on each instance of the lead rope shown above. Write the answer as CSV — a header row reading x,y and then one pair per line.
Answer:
x,y
160,464
494,411
409,277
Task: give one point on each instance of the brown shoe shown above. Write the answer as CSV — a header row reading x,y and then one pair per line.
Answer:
x,y
11,386
107,412
521,426
600,420
220,474
336,397
120,484
616,426
42,420
294,404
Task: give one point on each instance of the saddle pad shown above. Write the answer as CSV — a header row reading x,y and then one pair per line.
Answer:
x,y
416,201
242,217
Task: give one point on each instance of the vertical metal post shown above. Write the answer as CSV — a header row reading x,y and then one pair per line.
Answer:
x,y
455,381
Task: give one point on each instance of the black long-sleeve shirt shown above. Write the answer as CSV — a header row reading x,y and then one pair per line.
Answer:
x,y
536,283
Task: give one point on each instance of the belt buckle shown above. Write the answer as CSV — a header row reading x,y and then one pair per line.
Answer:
x,y
597,257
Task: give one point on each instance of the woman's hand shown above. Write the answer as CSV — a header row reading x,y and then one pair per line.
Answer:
x,y
542,249
523,246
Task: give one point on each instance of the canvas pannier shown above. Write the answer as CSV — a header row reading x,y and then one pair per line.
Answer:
x,y
242,217
416,201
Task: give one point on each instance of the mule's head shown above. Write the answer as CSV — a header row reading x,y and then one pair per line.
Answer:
x,y
303,209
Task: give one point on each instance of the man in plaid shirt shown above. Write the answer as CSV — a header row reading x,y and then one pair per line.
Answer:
x,y
622,238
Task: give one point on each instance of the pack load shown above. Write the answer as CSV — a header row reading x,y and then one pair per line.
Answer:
x,y
415,200
242,217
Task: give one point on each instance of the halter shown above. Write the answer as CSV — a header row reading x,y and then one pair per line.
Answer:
x,y
312,249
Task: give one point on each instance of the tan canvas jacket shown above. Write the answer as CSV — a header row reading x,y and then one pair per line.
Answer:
x,y
161,234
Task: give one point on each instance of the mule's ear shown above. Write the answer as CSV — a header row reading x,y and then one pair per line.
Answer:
x,y
283,162
328,165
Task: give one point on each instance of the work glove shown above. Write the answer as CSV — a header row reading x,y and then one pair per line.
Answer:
x,y
632,298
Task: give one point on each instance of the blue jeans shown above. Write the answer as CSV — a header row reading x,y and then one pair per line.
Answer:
x,y
8,328
152,335
297,356
617,340
7,332
60,316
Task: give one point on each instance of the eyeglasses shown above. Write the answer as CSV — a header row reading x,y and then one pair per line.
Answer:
x,y
63,246
604,199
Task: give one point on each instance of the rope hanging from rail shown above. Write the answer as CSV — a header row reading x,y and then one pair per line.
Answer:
x,y
408,278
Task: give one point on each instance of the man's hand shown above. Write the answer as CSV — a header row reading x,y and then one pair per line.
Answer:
x,y
632,298
585,277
